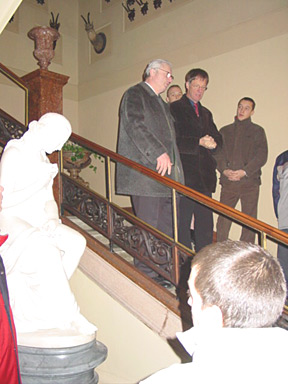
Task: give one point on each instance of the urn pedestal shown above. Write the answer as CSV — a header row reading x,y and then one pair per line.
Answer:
x,y
75,165
44,38
55,356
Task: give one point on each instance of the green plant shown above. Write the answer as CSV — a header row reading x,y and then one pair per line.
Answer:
x,y
94,167
76,150
78,153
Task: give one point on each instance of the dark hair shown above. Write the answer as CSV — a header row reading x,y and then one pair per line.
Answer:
x,y
196,72
243,280
173,86
248,99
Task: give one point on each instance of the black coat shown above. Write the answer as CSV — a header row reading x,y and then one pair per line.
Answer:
x,y
198,163
146,131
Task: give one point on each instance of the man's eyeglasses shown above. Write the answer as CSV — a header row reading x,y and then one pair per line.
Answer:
x,y
197,86
168,74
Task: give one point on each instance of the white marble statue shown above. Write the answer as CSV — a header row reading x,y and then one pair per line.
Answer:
x,y
41,253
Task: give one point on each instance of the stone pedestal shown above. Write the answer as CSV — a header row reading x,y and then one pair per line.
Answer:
x,y
50,363
46,95
45,92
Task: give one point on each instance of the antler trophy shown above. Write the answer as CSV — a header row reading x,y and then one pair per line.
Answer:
x,y
98,40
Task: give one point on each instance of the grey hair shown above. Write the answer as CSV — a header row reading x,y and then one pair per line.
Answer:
x,y
154,64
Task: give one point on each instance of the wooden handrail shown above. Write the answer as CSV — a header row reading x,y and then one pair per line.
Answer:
x,y
20,83
16,79
216,206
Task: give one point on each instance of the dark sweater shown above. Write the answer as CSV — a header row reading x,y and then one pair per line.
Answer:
x,y
244,147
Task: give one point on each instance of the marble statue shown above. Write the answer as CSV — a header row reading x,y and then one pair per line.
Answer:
x,y
41,253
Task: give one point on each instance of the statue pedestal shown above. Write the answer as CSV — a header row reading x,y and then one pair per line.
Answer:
x,y
54,359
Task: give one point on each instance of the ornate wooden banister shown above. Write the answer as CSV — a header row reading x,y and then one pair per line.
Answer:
x,y
116,223
116,233
268,230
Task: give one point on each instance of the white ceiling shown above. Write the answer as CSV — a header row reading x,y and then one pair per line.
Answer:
x,y
7,9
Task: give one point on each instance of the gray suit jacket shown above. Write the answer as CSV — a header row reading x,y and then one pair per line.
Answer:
x,y
146,131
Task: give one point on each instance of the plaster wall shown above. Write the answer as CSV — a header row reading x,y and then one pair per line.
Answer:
x,y
134,350
17,49
241,45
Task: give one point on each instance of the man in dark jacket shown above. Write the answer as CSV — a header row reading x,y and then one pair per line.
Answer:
x,y
197,138
239,162
280,201
147,136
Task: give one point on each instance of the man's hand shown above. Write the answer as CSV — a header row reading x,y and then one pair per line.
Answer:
x,y
163,164
234,175
228,173
207,142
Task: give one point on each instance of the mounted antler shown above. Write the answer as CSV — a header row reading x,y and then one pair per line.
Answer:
x,y
54,24
130,11
98,40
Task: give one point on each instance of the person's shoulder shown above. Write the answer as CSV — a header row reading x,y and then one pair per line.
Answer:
x,y
140,89
133,88
226,128
282,158
277,337
176,373
206,111
179,104
136,92
257,127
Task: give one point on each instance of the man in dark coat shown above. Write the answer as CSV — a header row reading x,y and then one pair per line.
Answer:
x,y
280,201
197,138
239,162
147,136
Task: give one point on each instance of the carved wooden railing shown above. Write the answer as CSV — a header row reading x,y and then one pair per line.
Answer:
x,y
160,252
123,230
163,254
9,128
121,227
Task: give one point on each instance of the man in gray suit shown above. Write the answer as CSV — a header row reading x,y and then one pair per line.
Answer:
x,y
146,135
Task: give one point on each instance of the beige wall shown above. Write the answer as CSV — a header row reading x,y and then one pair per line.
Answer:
x,y
188,32
134,351
242,44
17,48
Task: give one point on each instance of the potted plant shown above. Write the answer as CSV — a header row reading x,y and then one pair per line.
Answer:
x,y
76,158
